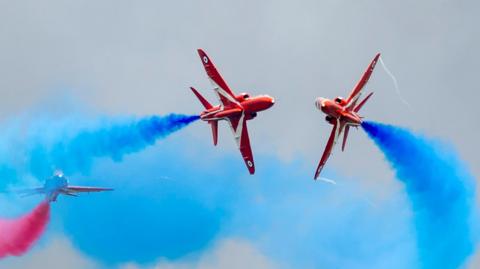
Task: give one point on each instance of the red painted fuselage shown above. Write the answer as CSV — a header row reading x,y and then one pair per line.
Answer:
x,y
337,110
249,105
343,113
235,109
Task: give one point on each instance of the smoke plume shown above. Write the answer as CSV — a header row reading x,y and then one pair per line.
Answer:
x,y
440,189
18,235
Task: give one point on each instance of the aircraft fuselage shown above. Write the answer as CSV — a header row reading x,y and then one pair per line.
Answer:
x,y
245,104
335,110
54,186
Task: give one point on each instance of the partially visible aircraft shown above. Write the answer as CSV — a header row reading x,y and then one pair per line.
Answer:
x,y
235,109
343,113
58,184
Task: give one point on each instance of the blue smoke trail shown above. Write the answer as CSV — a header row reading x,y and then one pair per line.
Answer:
x,y
440,189
72,144
114,140
173,203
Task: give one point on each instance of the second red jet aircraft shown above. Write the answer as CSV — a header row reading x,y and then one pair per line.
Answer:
x,y
235,109
343,113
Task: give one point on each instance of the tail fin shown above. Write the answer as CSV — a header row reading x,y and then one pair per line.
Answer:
x,y
357,108
345,135
207,105
204,102
214,125
347,128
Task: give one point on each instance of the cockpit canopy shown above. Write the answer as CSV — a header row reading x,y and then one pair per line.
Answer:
x,y
58,173
340,100
242,97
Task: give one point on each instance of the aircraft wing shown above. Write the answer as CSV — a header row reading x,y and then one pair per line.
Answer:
x,y
239,129
78,189
221,88
337,130
29,192
356,92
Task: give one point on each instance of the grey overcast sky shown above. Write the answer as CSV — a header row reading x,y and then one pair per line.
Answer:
x,y
139,57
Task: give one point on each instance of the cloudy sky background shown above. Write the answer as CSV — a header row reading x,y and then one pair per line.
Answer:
x,y
123,58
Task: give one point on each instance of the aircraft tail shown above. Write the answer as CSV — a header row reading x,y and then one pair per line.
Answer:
x,y
359,106
356,109
202,100
207,105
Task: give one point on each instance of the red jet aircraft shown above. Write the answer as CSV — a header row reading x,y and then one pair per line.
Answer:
x,y
235,109
343,113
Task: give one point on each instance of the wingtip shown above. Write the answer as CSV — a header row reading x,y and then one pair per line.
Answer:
x,y
201,52
251,170
204,57
317,173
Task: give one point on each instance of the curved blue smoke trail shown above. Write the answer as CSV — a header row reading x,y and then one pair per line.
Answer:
x,y
441,191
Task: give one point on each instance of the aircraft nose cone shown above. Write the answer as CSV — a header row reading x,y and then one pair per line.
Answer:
x,y
272,100
268,101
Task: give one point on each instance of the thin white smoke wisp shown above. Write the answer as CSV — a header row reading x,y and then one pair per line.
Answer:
x,y
333,182
330,181
395,83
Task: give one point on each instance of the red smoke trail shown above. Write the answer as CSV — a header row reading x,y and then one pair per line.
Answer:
x,y
18,235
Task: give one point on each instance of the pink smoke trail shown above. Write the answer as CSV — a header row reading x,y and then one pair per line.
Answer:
x,y
18,235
